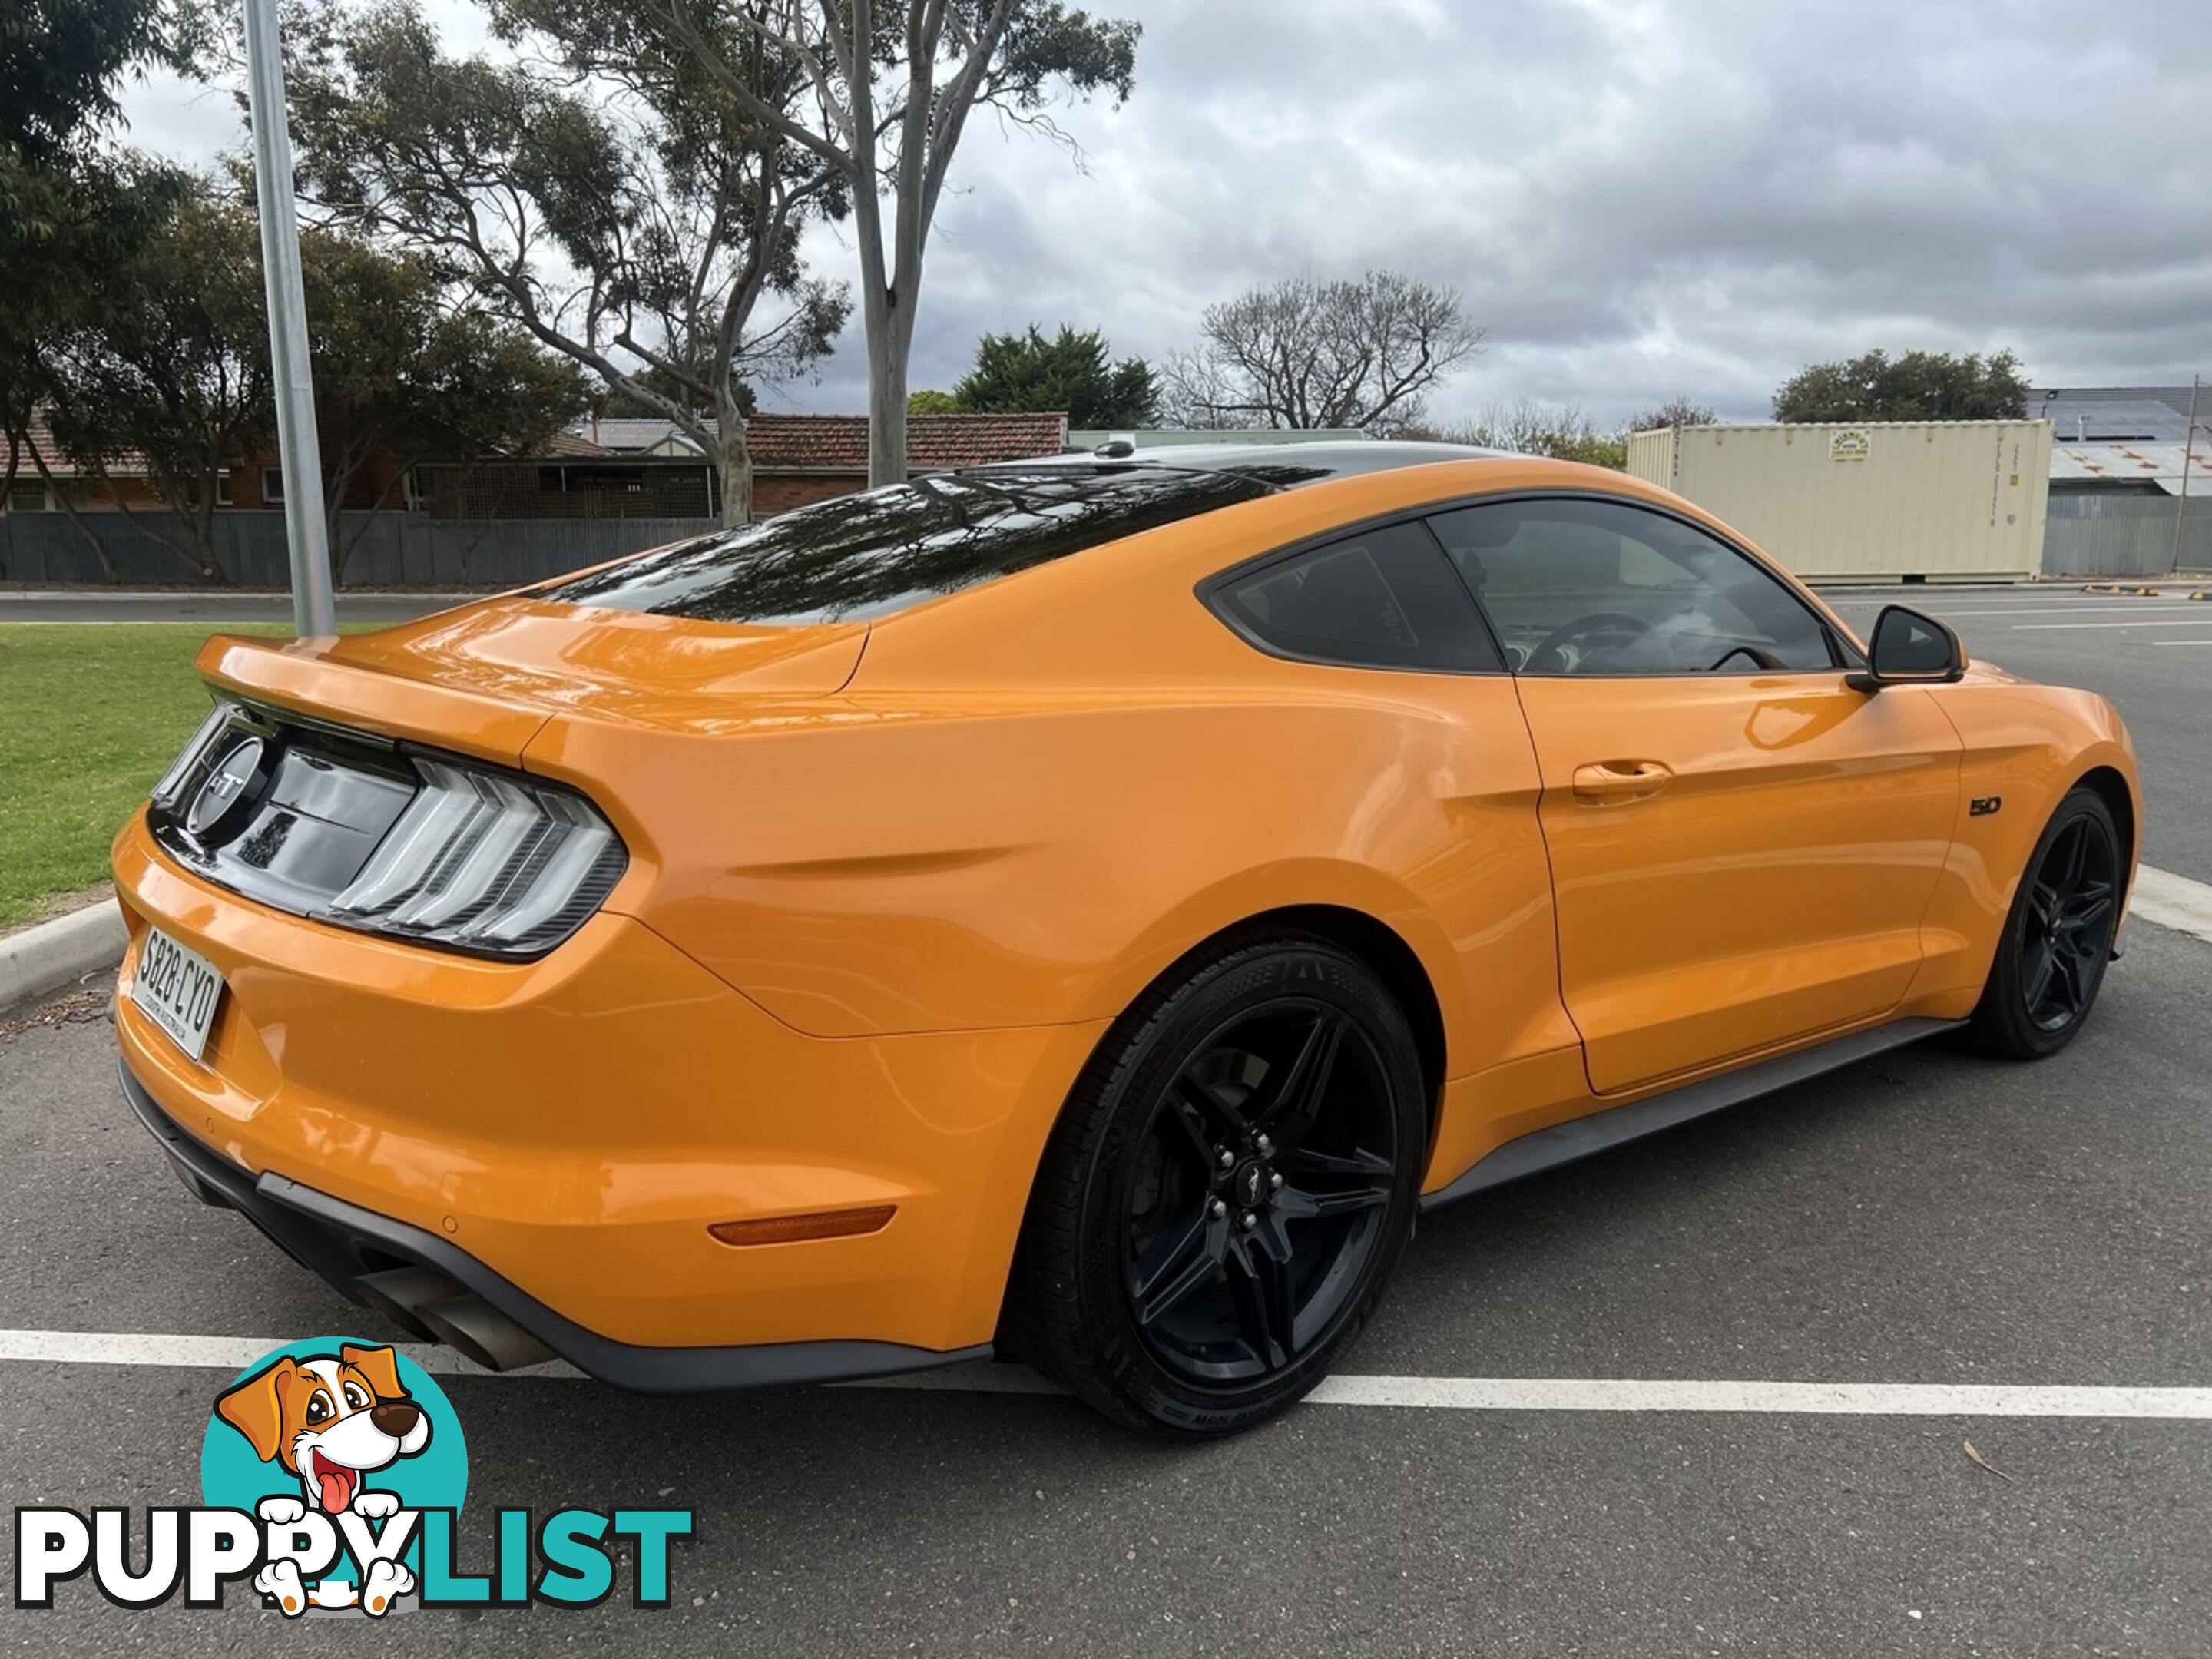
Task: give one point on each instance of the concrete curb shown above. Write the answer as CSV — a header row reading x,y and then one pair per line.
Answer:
x,y
2167,900
55,955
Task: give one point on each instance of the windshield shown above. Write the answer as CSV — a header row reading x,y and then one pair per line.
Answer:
x,y
868,555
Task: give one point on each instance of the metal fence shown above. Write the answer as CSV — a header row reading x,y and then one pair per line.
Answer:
x,y
391,548
2089,534
2084,535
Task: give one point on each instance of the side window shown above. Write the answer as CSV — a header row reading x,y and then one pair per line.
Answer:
x,y
1384,598
1580,586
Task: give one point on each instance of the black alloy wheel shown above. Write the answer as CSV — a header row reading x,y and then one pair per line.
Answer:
x,y
1265,1174
1228,1190
2058,937
2073,902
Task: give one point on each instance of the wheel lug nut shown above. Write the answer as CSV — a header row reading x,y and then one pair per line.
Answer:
x,y
1247,1221
1225,1158
1275,1182
1217,1209
1262,1144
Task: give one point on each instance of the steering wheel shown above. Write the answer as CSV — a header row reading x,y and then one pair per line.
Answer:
x,y
1550,656
1763,660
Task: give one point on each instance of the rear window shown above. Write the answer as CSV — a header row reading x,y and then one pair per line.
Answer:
x,y
865,555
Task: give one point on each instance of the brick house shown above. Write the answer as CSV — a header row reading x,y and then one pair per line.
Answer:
x,y
802,458
255,482
617,469
29,492
649,469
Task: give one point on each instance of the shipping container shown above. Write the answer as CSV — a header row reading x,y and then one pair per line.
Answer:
x,y
1890,500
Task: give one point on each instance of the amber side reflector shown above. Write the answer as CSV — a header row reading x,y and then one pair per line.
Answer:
x,y
795,1229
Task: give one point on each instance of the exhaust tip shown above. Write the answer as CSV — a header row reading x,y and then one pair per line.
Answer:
x,y
398,1292
473,1327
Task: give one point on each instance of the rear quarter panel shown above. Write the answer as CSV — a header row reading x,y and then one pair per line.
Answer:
x,y
870,871
1031,799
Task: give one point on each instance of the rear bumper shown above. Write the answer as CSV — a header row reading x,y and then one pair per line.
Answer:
x,y
559,1136
342,1242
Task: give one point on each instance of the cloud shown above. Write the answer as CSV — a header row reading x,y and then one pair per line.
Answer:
x,y
1696,196
1638,196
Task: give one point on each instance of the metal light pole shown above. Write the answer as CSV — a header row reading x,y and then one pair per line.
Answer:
x,y
312,612
2188,448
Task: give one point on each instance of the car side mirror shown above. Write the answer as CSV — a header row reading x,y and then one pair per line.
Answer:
x,y
1907,648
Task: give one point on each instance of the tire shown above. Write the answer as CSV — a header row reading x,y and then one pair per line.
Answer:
x,y
1180,1293
2057,937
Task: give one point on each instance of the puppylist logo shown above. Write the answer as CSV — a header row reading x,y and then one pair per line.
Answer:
x,y
333,1473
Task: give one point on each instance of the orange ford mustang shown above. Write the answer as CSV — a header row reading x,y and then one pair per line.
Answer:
x,y
1088,906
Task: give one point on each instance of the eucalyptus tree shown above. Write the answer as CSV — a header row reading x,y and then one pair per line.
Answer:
x,y
174,373
72,204
604,193
1681,410
402,375
62,61
890,86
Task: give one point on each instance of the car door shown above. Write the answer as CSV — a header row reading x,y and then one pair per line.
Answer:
x,y
1742,846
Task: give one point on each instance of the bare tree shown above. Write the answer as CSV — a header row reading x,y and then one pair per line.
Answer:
x,y
1563,432
1304,353
1677,410
893,83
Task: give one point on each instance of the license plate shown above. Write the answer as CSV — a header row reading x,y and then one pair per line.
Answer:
x,y
178,989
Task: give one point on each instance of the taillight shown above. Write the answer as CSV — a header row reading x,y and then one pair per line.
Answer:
x,y
351,828
187,764
486,861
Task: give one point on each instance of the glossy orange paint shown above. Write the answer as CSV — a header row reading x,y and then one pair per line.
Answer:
x,y
1763,878
889,882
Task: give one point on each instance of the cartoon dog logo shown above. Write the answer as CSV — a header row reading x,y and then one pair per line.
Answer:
x,y
330,1421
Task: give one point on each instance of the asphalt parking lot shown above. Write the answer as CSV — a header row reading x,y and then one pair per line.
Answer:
x,y
1923,1219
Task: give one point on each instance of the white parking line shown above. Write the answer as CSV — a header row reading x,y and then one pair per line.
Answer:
x,y
2172,901
1490,1393
2148,607
1991,607
2153,621
1795,1399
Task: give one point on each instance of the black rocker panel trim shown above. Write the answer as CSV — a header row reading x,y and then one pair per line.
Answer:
x,y
1599,1132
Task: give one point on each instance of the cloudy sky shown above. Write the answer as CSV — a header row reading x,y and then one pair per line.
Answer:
x,y
1636,197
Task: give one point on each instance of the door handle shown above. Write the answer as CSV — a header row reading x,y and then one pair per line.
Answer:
x,y
1605,781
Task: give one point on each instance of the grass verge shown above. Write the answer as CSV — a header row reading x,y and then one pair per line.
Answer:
x,y
90,717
